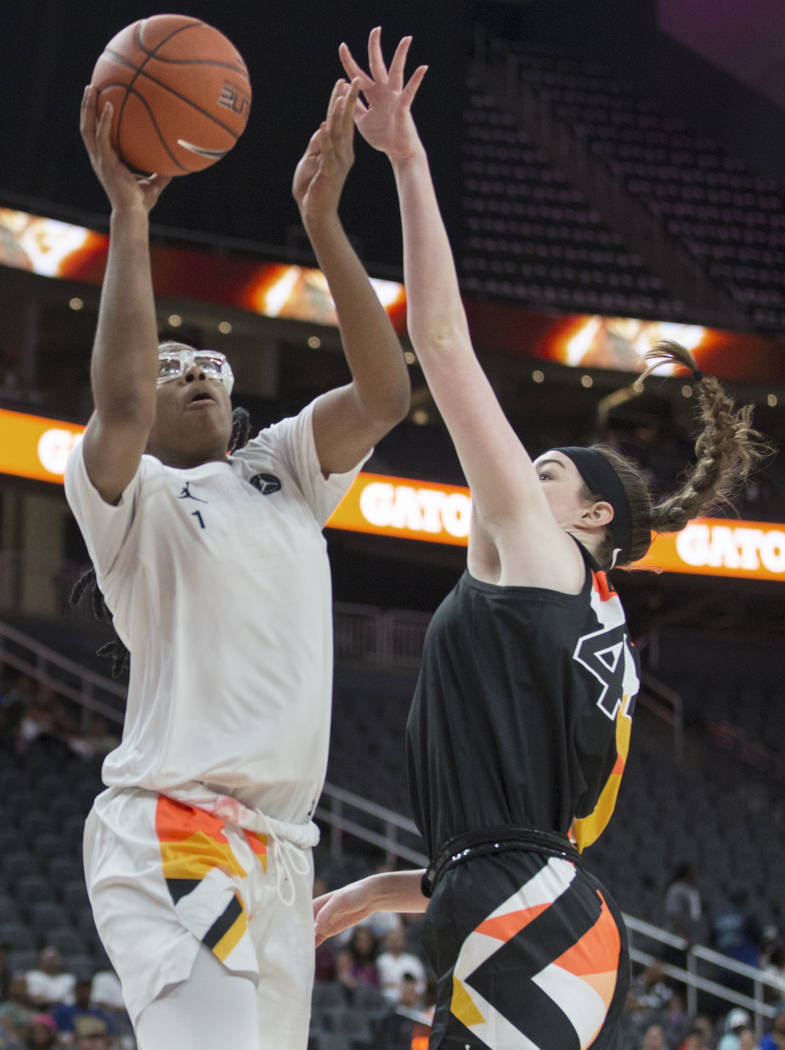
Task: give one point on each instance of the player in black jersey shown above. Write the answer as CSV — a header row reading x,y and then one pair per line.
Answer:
x,y
520,724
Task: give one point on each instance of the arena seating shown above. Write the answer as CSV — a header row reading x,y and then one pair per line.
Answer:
x,y
531,237
731,220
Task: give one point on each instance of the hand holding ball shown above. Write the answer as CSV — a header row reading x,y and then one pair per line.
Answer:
x,y
180,94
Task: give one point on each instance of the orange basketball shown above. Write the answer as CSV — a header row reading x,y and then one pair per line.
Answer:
x,y
180,94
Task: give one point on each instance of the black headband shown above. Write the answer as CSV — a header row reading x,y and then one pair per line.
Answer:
x,y
603,481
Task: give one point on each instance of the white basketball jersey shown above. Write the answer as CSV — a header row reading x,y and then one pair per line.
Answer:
x,y
219,584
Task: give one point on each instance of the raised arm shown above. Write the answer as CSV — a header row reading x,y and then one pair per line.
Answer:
x,y
124,363
350,419
507,495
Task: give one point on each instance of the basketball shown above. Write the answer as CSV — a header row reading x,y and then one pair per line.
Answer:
x,y
180,94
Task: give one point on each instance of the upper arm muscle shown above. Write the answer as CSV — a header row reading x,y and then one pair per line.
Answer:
x,y
111,454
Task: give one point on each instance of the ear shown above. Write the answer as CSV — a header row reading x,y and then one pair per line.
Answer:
x,y
598,514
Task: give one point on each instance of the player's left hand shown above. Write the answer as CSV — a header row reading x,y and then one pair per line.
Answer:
x,y
321,173
339,909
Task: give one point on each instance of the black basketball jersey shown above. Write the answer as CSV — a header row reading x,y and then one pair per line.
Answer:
x,y
522,710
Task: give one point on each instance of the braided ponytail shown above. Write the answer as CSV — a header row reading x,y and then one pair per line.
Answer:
x,y
727,449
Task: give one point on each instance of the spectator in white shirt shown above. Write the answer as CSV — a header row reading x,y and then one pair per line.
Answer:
x,y
394,962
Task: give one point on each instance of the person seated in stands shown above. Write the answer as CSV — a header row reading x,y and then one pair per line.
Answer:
x,y
356,963
15,1009
647,998
734,930
394,962
40,1033
700,1036
736,1021
100,739
408,1022
775,1039
49,984
653,1038
409,995
107,993
683,905
67,1015
92,1034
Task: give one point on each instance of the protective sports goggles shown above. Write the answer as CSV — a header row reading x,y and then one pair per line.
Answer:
x,y
174,363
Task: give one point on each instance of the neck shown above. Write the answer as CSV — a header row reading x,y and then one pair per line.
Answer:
x,y
589,540
186,460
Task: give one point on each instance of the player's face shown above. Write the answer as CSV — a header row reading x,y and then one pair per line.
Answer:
x,y
563,487
193,419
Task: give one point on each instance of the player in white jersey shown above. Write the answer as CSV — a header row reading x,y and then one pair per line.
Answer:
x,y
214,568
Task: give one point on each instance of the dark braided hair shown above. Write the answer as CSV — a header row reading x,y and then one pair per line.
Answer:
x,y
727,449
115,650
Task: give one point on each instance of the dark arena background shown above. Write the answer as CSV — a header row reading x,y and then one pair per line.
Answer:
x,y
610,174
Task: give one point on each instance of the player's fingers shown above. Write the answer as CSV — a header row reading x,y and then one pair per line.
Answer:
x,y
349,107
375,58
87,111
335,94
415,80
398,63
349,64
104,128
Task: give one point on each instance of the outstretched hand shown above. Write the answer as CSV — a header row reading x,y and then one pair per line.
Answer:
x,y
385,120
339,909
321,173
122,186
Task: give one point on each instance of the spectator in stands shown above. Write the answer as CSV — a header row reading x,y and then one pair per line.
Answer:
x,y
674,1019
700,1036
356,961
683,904
510,744
49,984
648,998
92,1034
394,961
734,929
736,1021
100,738
228,744
653,1038
747,1040
775,1039
410,991
408,1024
107,992
67,1014
15,1009
41,1033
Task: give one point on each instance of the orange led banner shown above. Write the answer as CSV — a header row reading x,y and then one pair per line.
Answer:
x,y
36,447
279,289
721,547
420,510
415,510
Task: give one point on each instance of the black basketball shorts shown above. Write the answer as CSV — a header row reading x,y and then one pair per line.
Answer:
x,y
530,953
